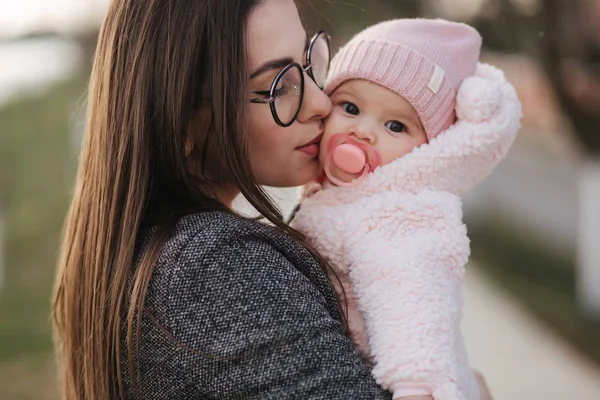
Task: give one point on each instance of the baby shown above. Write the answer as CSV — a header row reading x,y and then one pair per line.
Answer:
x,y
416,122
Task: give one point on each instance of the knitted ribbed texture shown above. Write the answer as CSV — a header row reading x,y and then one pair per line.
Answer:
x,y
423,60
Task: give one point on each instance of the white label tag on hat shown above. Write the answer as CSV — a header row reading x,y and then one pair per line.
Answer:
x,y
436,79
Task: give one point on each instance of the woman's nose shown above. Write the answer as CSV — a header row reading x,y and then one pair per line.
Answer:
x,y
316,105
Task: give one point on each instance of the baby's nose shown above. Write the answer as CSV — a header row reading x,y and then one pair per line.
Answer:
x,y
364,132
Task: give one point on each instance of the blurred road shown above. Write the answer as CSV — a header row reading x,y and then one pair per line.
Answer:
x,y
520,358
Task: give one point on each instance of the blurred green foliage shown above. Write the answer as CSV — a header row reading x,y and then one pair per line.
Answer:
x,y
37,167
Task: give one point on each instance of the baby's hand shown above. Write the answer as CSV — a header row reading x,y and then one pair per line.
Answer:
x,y
309,189
484,391
414,398
477,99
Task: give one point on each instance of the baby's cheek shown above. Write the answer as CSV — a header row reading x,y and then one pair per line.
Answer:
x,y
323,150
329,131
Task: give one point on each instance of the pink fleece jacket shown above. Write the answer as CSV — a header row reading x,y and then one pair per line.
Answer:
x,y
398,243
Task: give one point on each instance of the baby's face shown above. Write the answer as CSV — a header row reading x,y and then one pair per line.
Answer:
x,y
372,114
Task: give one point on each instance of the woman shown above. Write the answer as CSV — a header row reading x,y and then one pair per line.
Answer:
x,y
162,291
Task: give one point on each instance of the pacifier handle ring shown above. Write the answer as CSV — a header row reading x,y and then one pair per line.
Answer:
x,y
338,182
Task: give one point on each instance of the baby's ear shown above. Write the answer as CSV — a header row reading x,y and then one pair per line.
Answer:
x,y
477,99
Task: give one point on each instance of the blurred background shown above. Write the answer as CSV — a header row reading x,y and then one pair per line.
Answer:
x,y
532,298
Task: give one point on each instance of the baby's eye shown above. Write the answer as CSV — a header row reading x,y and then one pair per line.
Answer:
x,y
350,108
395,126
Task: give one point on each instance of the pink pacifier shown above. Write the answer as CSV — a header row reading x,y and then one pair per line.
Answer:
x,y
351,157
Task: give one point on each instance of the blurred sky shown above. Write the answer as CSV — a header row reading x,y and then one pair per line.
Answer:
x,y
22,16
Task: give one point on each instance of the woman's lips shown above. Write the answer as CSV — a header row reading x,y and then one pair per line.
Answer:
x,y
311,148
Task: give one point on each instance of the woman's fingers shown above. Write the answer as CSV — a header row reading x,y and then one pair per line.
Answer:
x,y
483,388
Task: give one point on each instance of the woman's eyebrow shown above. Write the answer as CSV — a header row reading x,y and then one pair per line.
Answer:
x,y
280,62
270,65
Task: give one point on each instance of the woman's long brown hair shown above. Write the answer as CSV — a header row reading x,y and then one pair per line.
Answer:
x,y
158,62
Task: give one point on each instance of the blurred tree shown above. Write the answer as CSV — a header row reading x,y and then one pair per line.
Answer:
x,y
563,36
343,18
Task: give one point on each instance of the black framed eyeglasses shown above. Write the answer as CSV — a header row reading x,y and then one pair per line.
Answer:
x,y
287,89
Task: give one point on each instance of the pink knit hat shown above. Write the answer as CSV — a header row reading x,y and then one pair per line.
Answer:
x,y
423,60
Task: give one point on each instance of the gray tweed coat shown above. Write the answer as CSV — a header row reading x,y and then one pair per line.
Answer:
x,y
243,312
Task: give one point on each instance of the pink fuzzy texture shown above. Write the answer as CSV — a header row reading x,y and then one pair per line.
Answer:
x,y
399,245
